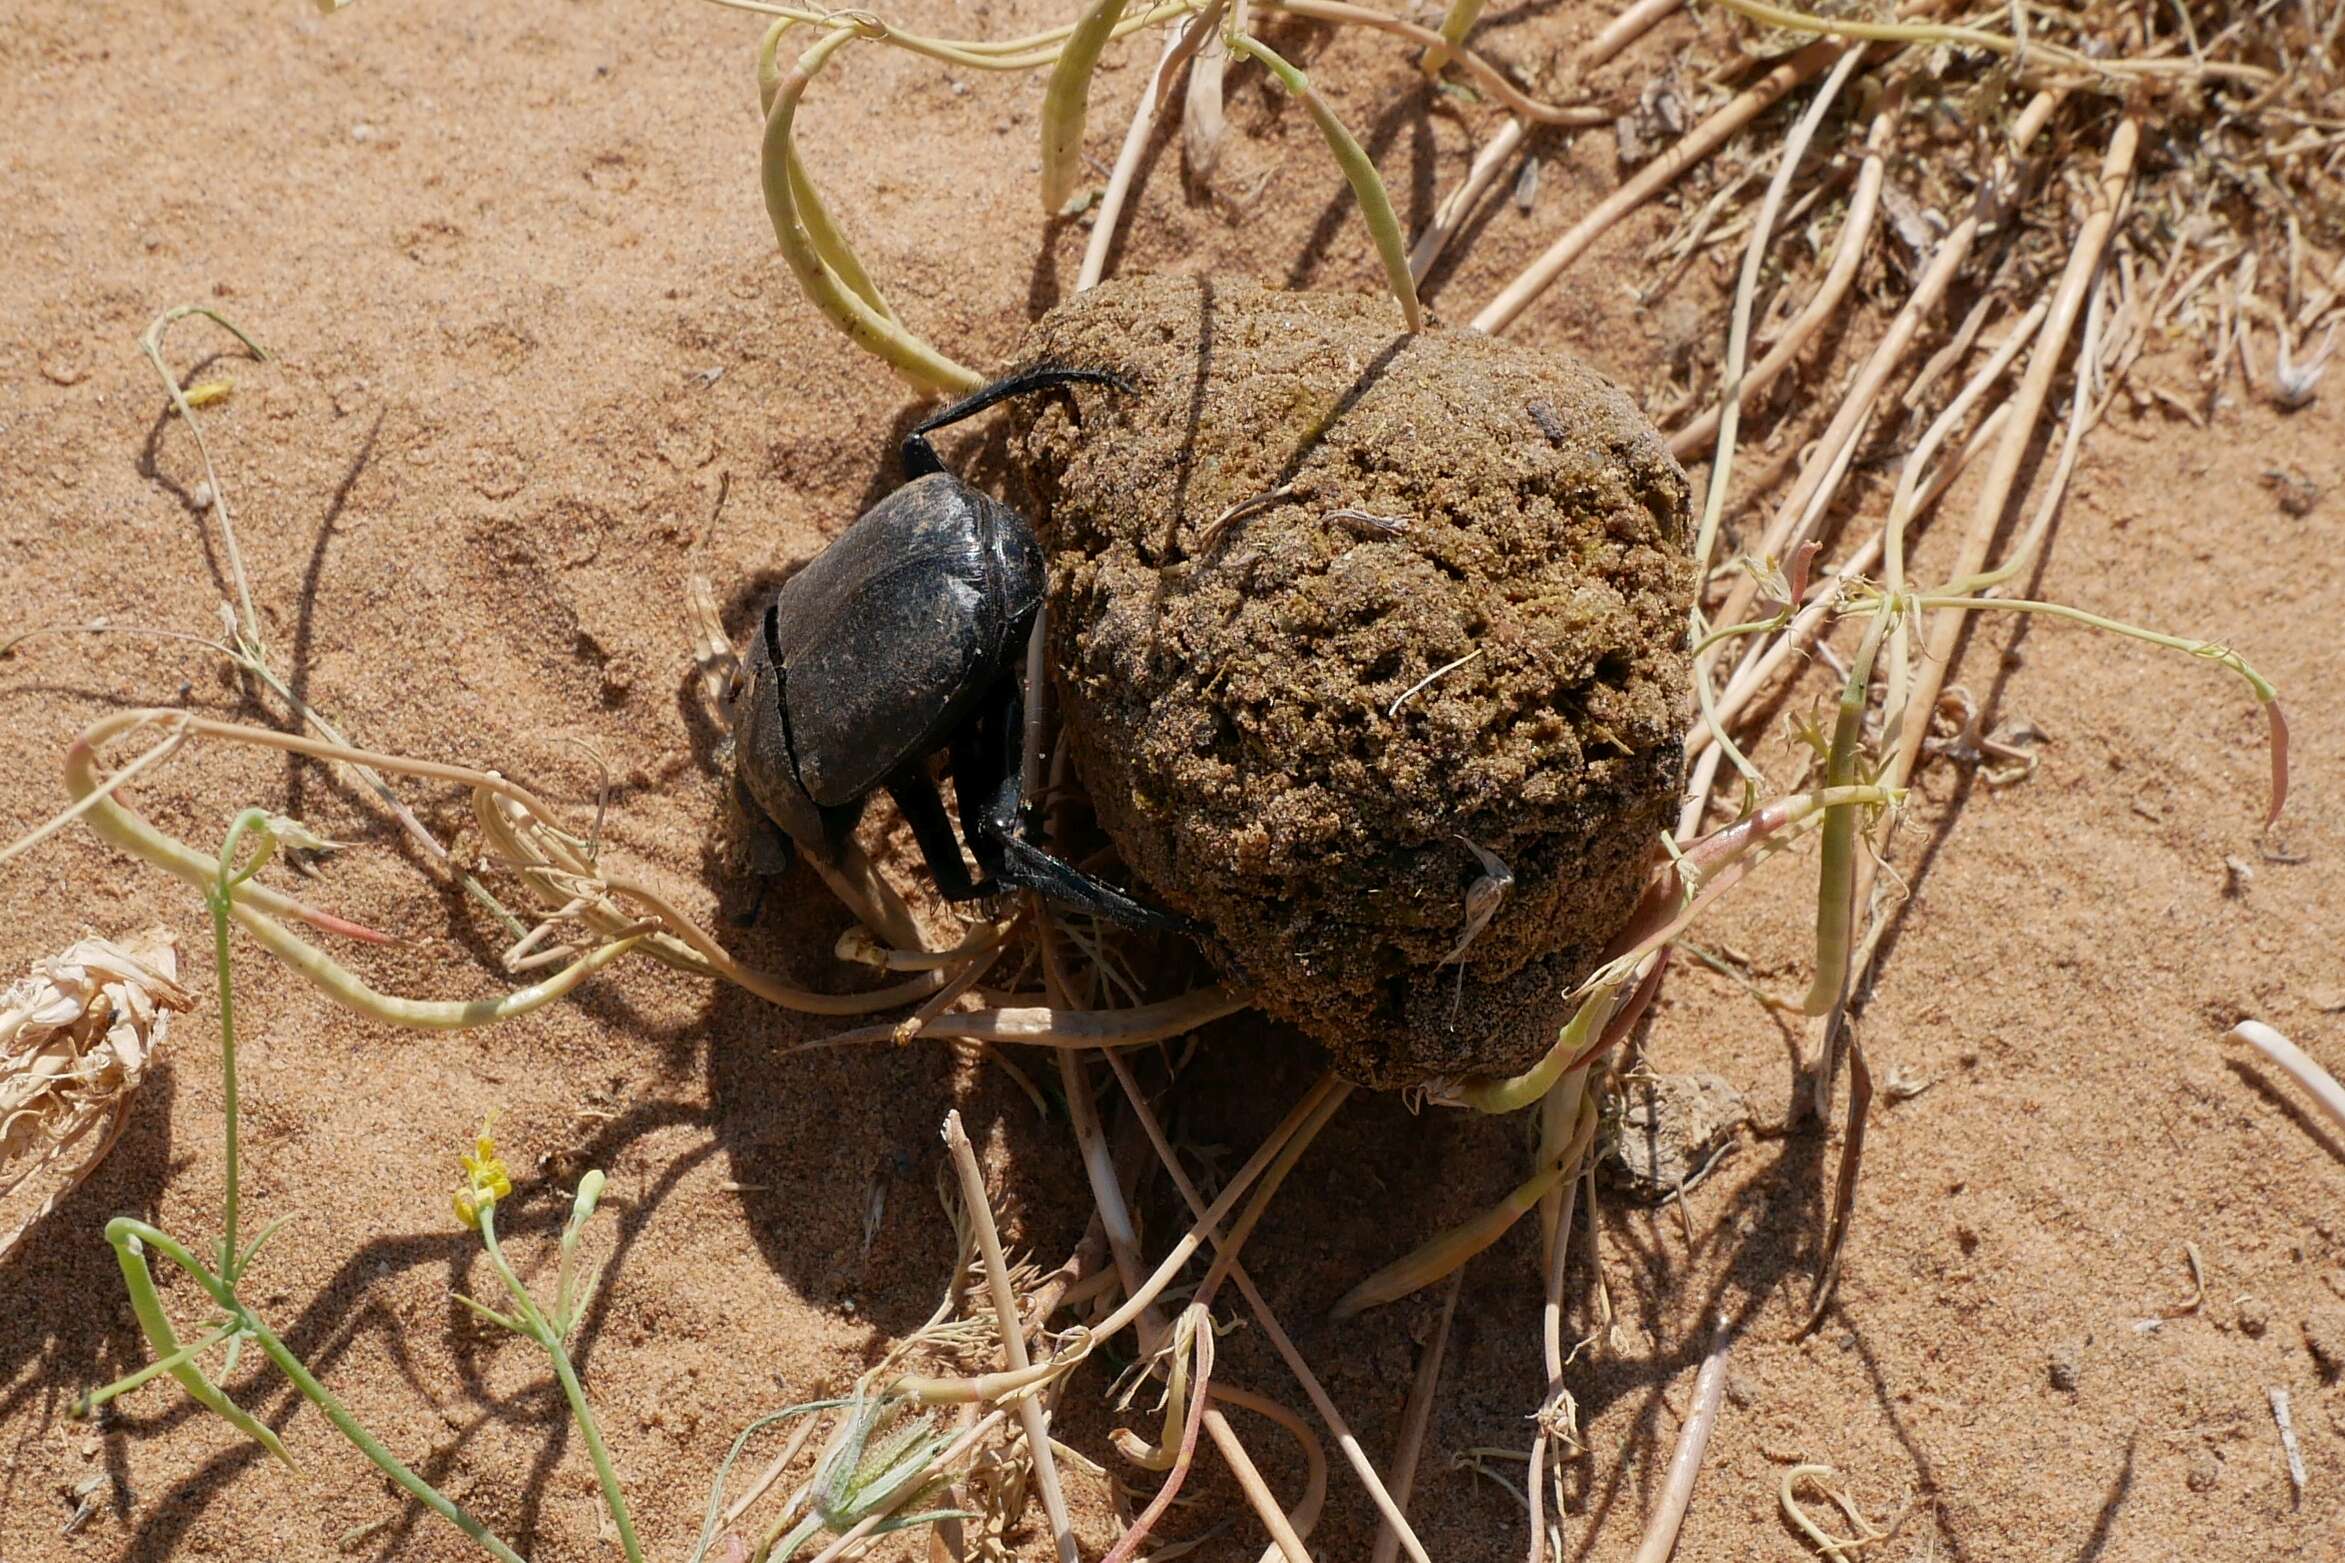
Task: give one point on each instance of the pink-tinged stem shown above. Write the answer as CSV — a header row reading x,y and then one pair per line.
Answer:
x,y
2279,725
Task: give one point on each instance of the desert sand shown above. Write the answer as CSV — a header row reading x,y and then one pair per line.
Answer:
x,y
535,363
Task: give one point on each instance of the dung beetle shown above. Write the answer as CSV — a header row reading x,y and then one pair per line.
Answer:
x,y
904,636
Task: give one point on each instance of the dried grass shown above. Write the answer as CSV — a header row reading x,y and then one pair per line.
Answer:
x,y
76,1037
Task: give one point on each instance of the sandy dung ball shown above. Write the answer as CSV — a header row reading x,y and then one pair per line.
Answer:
x,y
1333,606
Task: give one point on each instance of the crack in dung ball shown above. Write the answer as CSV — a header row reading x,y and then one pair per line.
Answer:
x,y
1298,720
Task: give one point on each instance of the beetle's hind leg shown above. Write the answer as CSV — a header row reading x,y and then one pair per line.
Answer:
x,y
985,774
920,457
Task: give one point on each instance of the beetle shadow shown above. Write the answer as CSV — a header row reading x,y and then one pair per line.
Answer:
x,y
834,1152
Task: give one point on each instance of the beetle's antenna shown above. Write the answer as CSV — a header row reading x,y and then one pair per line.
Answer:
x,y
920,457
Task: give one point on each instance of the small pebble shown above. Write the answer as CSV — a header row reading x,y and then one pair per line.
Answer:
x,y
2067,1366
2255,1316
2324,1333
362,132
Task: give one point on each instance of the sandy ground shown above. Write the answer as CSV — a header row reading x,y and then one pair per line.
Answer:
x,y
502,254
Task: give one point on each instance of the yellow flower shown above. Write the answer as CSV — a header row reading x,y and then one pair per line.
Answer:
x,y
486,1179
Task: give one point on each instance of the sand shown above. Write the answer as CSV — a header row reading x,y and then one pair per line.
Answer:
x,y
501,254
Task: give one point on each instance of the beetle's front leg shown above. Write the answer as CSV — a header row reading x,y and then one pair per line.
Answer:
x,y
985,774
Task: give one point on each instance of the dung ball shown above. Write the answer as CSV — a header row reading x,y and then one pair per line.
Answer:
x,y
1371,650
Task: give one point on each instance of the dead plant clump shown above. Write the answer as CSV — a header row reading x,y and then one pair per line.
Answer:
x,y
2027,204
76,1037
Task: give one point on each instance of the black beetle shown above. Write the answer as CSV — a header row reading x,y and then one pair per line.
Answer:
x,y
903,637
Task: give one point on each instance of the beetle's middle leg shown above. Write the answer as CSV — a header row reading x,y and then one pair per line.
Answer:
x,y
924,811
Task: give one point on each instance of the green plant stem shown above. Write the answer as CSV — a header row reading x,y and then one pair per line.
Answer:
x,y
154,1370
1753,781
914,359
242,642
1367,185
367,1444
1432,1260
603,1472
1506,1094
229,1104
806,1530
130,1238
1836,891
1009,54
536,1327
821,230
1979,38
248,657
1066,102
716,1491
1455,24
2212,651
218,897
1713,866
123,827
1752,627
151,343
